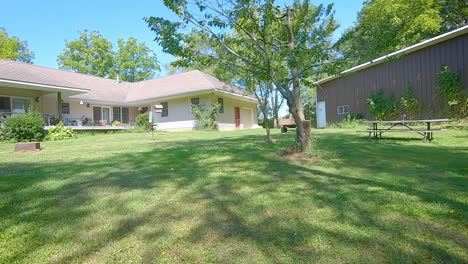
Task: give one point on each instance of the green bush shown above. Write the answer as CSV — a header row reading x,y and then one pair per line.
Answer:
x,y
60,132
116,123
206,116
409,104
349,121
142,121
382,108
451,98
24,127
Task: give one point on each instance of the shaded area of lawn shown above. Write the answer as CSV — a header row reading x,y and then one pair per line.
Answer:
x,y
228,197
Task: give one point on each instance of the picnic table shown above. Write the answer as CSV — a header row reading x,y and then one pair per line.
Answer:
x,y
403,126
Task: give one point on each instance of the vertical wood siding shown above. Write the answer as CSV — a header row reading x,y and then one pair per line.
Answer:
x,y
418,69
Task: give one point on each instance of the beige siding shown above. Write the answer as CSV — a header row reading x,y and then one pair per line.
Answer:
x,y
30,94
180,116
248,114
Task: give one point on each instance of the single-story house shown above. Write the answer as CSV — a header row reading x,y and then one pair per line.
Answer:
x,y
80,99
416,66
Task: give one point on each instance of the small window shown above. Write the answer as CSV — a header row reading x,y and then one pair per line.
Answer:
x,y
117,114
5,104
195,101
221,103
125,115
65,108
165,110
343,109
20,105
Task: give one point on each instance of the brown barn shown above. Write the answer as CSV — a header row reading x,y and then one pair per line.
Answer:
x,y
416,66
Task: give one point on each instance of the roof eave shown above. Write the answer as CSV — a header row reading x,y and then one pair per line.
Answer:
x,y
407,50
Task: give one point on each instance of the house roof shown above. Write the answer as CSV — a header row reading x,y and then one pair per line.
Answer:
x,y
407,50
103,89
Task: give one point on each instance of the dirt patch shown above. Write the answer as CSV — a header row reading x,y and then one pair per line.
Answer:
x,y
290,153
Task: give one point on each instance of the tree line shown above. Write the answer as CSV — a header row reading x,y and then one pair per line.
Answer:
x,y
91,53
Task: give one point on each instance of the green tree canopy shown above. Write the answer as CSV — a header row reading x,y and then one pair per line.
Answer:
x,y
272,44
134,61
13,48
384,26
91,54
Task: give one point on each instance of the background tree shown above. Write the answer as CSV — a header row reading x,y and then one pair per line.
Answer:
x,y
134,61
384,26
12,48
91,54
277,45
217,63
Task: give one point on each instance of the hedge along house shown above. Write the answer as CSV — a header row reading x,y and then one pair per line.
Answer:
x,y
416,66
83,100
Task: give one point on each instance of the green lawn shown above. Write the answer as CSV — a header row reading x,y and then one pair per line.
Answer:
x,y
227,197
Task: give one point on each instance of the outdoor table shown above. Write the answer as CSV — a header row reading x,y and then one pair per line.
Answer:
x,y
404,126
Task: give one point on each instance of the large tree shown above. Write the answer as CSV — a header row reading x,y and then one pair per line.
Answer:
x,y
91,54
13,48
134,61
272,44
384,26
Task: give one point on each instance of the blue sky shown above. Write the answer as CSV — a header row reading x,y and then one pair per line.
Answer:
x,y
46,24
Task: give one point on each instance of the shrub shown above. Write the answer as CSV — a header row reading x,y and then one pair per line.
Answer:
x,y
451,98
142,121
382,108
115,123
60,132
24,127
349,121
205,116
409,104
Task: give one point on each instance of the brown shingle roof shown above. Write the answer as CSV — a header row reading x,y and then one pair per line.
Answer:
x,y
102,89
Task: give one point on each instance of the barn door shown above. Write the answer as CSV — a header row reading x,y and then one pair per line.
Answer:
x,y
237,116
321,115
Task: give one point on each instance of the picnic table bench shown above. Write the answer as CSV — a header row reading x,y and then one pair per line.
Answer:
x,y
404,126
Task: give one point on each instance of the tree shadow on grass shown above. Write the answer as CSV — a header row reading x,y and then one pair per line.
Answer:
x,y
235,195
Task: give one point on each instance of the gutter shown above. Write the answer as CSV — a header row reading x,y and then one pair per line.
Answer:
x,y
44,85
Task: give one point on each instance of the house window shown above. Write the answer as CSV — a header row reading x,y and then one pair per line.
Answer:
x,y
343,109
195,101
65,108
116,111
125,115
20,105
5,104
165,109
221,103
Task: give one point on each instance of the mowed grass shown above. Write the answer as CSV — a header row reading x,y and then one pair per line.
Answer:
x,y
227,197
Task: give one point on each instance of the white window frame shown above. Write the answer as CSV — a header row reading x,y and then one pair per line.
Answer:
x,y
17,97
342,107
111,113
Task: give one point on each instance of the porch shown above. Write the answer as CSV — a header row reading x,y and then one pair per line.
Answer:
x,y
95,128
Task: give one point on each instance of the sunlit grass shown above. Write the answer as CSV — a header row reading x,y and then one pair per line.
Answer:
x,y
229,197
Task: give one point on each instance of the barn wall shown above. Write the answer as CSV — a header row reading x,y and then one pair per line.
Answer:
x,y
418,70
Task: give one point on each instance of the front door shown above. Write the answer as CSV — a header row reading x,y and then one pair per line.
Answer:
x,y
321,115
237,116
106,115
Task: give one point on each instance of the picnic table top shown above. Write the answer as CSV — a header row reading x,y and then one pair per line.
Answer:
x,y
406,121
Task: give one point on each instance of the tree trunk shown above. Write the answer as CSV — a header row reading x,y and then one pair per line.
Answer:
x,y
266,121
303,142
